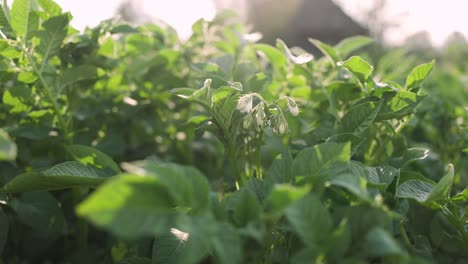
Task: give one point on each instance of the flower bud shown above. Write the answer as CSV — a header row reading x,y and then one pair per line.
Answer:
x,y
293,108
245,103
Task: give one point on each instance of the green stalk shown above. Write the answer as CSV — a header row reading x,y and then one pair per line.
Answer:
x,y
48,93
404,235
259,156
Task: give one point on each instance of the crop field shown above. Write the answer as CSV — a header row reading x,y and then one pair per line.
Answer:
x,y
123,144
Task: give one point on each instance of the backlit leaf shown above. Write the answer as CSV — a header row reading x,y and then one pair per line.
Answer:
x,y
418,75
359,67
65,175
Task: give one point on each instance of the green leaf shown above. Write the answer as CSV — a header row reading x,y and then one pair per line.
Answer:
x,y
188,246
5,23
359,67
310,220
167,247
50,7
398,104
77,74
283,195
276,58
360,117
64,175
442,189
41,211
329,52
348,45
19,97
185,93
415,189
246,207
227,244
188,187
425,191
27,77
379,243
317,160
355,140
352,182
131,206
51,38
8,148
19,14
418,75
4,227
410,155
91,156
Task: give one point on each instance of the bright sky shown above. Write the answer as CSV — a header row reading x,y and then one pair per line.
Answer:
x,y
439,18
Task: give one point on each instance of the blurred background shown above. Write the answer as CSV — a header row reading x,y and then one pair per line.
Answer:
x,y
396,22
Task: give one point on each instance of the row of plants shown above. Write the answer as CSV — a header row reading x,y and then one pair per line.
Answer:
x,y
124,144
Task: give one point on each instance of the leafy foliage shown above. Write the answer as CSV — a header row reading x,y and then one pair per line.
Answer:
x,y
123,144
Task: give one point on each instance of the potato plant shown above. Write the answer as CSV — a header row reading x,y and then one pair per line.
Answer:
x,y
124,144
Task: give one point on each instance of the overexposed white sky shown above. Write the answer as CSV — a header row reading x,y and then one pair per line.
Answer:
x,y
439,18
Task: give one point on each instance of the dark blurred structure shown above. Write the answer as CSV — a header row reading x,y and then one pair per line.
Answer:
x,y
295,21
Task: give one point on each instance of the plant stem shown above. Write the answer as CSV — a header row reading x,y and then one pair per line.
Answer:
x,y
50,97
259,156
404,235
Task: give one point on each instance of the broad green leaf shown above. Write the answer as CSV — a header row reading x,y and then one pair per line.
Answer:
x,y
352,182
329,52
5,23
418,75
227,244
8,148
4,227
167,247
415,189
246,207
188,187
91,156
64,175
131,206
51,38
76,74
411,175
410,155
310,220
276,58
202,96
188,246
442,189
41,211
27,77
19,15
300,59
348,45
355,140
359,67
425,191
398,104
280,170
50,7
316,160
382,175
360,117
379,243
19,97
283,195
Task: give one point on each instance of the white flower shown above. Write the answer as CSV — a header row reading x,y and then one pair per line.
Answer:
x,y
293,108
260,116
245,103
